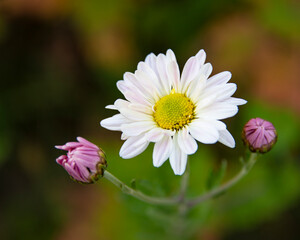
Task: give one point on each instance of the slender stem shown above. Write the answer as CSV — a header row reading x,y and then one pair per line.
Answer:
x,y
184,183
217,191
137,194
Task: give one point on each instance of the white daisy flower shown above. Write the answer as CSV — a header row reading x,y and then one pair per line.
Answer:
x,y
173,110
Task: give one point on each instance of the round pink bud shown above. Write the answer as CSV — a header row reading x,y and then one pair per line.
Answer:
x,y
259,135
84,162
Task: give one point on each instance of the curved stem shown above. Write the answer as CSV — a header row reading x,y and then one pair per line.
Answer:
x,y
137,194
219,190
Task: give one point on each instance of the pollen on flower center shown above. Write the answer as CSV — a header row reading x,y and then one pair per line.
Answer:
x,y
174,111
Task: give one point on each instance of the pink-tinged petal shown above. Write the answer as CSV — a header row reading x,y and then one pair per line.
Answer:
x,y
60,160
162,151
86,163
206,70
61,147
73,144
136,84
161,65
186,142
196,88
87,143
74,174
149,89
201,56
131,93
259,135
152,78
151,61
189,72
133,146
82,160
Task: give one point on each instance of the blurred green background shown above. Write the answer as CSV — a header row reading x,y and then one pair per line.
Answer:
x,y
59,64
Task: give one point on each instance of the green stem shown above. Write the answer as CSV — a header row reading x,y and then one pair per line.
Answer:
x,y
137,194
219,190
184,183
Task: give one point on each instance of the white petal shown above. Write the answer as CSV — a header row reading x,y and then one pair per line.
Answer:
x,y
206,69
137,85
222,92
148,85
151,61
204,102
124,137
127,89
134,96
170,55
201,56
134,115
136,128
154,135
133,146
112,107
236,101
196,88
141,108
186,142
114,123
161,151
173,74
121,103
121,86
178,158
218,111
218,124
204,132
226,138
189,72
161,65
219,79
151,76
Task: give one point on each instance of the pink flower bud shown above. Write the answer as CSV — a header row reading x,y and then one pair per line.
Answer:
x,y
84,161
259,135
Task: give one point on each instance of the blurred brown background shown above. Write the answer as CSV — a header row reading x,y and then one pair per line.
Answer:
x,y
59,63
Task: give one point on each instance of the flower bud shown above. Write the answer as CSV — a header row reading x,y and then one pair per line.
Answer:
x,y
84,162
259,135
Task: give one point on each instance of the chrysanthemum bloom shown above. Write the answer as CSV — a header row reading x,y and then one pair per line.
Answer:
x,y
84,160
173,110
259,135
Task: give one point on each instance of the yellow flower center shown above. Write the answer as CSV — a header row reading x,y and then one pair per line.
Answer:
x,y
174,111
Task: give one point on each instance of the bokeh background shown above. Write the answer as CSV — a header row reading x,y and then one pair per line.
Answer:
x,y
59,64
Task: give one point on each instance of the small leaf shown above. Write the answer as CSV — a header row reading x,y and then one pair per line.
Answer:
x,y
242,160
216,176
133,183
